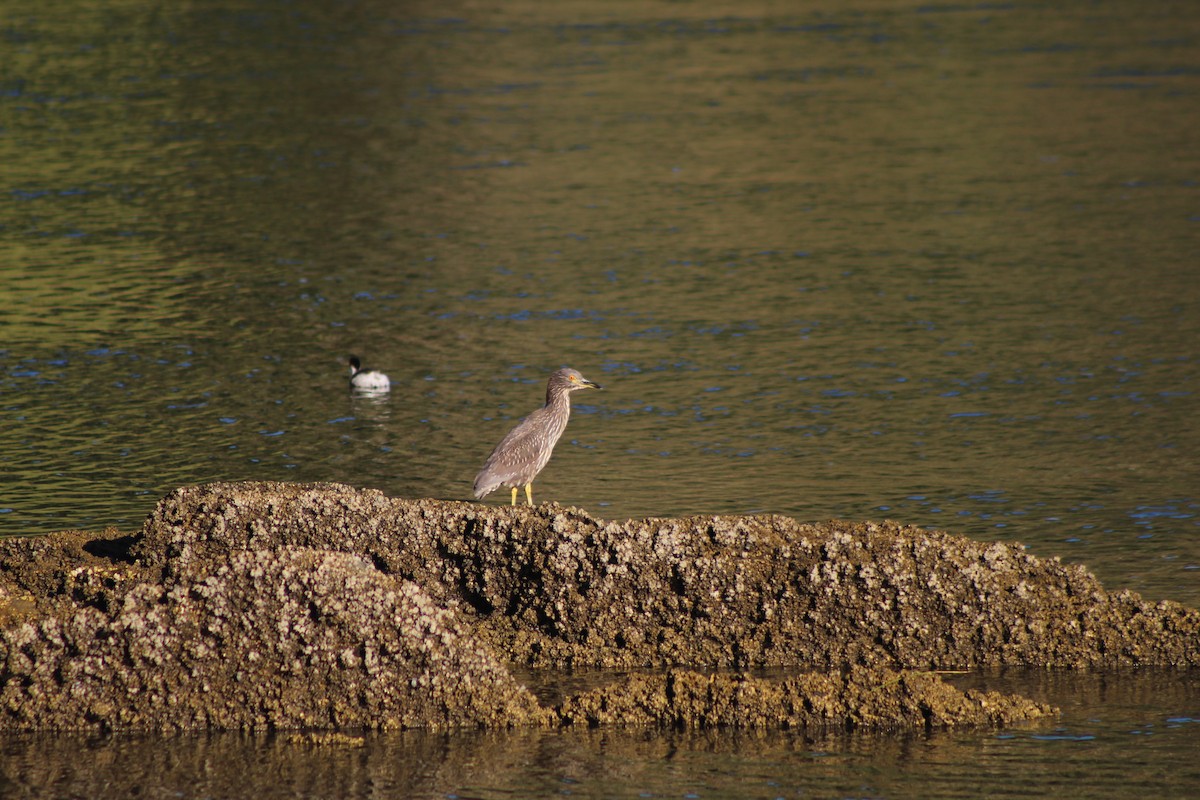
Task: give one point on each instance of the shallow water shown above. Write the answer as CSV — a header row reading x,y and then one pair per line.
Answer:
x,y
1128,735
936,263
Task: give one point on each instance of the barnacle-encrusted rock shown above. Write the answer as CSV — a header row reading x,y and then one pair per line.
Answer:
x,y
861,697
321,606
284,638
555,586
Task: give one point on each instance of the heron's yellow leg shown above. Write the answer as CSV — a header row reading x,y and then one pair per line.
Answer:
x,y
528,492
514,496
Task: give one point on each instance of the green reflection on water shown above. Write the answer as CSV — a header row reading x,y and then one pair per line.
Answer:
x,y
930,262
935,263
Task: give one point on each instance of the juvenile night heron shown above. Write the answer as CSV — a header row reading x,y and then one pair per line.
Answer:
x,y
367,380
521,454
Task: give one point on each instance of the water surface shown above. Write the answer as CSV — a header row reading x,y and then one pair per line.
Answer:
x,y
932,262
935,263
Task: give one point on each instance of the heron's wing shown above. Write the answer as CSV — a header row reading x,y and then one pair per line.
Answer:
x,y
522,453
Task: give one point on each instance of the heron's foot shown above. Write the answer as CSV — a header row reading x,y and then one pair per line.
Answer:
x,y
514,499
528,493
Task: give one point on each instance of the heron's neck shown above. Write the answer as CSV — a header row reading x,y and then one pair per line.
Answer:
x,y
558,399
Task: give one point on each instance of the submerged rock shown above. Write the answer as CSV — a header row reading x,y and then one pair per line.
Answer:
x,y
860,697
321,607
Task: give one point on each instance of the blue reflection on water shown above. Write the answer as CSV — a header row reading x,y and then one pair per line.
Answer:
x,y
1062,736
1146,515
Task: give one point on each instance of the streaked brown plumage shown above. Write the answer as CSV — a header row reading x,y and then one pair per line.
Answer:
x,y
523,453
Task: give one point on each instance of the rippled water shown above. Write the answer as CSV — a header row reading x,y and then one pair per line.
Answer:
x,y
933,262
936,263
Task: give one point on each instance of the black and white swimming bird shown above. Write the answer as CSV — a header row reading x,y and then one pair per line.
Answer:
x,y
367,380
521,454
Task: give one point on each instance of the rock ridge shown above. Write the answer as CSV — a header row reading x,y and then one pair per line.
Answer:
x,y
325,607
